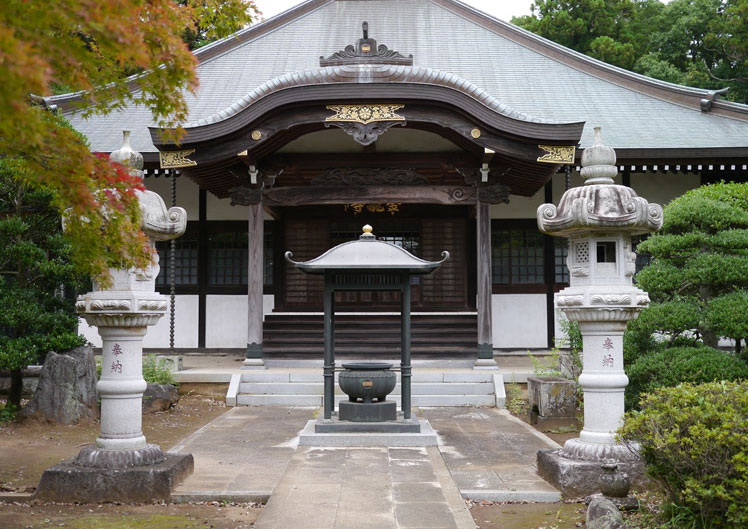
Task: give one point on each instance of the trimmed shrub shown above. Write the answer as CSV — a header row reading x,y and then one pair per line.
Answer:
x,y
670,367
694,441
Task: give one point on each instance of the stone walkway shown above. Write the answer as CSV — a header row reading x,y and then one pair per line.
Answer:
x,y
491,454
366,488
242,454
484,453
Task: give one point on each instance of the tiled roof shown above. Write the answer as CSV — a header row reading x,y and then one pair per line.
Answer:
x,y
545,80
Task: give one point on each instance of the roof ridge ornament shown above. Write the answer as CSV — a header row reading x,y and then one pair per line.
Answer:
x,y
366,51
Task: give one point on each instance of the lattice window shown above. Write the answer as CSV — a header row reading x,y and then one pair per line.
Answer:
x,y
227,258
517,256
406,236
582,252
185,263
560,253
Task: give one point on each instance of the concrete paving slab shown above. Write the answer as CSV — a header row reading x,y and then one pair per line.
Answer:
x,y
244,451
421,504
491,455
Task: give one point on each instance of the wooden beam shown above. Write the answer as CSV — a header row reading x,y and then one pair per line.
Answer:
x,y
319,195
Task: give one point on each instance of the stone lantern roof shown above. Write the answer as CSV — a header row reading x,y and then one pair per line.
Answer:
x,y
600,204
367,254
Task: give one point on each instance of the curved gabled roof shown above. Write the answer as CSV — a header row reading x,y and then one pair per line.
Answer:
x,y
367,74
527,73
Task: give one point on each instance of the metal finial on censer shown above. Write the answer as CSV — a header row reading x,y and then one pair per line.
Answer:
x,y
367,232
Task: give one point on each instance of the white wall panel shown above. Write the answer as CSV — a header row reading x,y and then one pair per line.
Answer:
x,y
185,327
662,188
226,320
188,193
519,320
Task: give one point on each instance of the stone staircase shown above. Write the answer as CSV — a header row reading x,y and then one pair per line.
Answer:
x,y
371,334
304,388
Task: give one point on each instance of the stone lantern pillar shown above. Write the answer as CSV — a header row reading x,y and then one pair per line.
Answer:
x,y
123,312
599,219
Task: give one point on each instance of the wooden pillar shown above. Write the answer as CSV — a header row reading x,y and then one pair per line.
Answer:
x,y
255,280
328,369
405,367
483,300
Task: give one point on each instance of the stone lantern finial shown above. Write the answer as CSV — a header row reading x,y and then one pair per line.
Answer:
x,y
598,162
128,157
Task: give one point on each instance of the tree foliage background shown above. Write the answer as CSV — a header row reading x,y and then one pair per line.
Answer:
x,y
93,46
700,43
698,282
37,280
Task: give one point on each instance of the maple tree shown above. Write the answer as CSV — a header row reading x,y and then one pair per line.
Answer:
x,y
92,46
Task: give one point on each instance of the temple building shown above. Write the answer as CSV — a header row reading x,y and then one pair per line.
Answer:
x,y
438,125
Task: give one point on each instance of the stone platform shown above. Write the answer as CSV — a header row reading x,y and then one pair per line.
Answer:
x,y
310,436
243,454
366,488
68,482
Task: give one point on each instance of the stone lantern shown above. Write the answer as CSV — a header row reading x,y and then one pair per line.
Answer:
x,y
599,219
121,466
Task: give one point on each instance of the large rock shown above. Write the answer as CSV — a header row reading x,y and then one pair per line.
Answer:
x,y
603,514
159,397
67,388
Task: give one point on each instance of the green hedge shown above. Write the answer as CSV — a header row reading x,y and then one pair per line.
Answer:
x,y
670,367
694,441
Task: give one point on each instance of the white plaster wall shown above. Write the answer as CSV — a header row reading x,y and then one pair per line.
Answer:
x,y
188,193
518,207
226,320
221,209
662,188
519,320
185,327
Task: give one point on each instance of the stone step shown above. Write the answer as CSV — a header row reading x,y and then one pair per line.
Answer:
x,y
314,388
418,376
316,400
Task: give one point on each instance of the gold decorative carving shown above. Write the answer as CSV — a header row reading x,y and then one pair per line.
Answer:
x,y
365,113
175,159
475,133
557,153
256,135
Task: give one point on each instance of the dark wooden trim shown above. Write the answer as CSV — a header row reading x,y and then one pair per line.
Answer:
x,y
333,160
324,195
520,288
682,156
549,274
626,177
202,266
308,105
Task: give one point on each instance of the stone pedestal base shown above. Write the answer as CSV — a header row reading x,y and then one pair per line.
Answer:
x,y
426,436
576,478
486,363
253,363
108,481
92,457
367,412
412,425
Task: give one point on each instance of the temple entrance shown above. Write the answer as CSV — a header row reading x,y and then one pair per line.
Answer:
x,y
422,230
